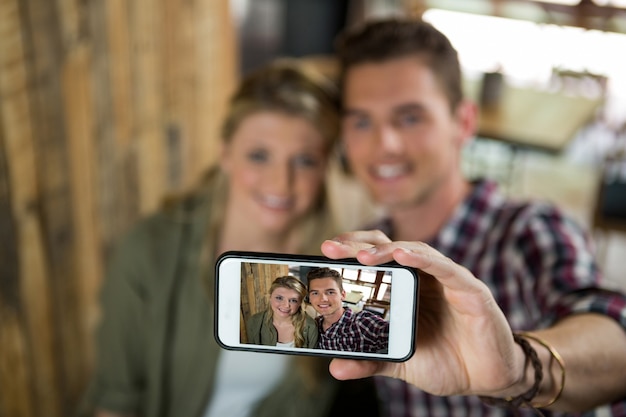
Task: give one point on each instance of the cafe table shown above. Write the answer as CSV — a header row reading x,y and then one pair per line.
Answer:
x,y
531,118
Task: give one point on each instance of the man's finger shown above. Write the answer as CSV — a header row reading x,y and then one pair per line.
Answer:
x,y
343,369
343,249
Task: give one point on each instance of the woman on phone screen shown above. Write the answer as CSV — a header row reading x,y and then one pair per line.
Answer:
x,y
284,322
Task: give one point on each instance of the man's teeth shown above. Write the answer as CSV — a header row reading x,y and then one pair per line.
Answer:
x,y
390,171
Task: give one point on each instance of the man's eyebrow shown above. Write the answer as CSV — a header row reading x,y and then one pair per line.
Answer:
x,y
401,108
408,107
352,112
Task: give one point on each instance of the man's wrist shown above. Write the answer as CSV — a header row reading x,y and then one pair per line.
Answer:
x,y
537,387
528,385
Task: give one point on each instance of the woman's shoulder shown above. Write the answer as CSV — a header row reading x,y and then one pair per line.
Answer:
x,y
309,321
175,212
256,319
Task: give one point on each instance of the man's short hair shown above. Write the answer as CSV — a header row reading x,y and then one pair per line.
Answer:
x,y
319,273
383,40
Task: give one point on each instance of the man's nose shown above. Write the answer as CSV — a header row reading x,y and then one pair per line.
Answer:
x,y
389,140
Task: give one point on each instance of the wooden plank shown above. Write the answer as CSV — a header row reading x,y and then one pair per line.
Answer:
x,y
82,158
146,25
112,101
27,326
45,55
117,29
218,73
179,76
15,366
15,372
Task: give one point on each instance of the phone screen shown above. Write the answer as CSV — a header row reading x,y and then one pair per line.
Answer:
x,y
315,306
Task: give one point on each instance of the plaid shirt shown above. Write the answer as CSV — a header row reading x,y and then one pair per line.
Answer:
x,y
539,266
355,332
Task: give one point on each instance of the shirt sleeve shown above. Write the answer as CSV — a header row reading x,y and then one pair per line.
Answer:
x,y
559,253
375,330
118,381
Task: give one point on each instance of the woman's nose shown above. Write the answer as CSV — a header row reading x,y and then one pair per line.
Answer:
x,y
280,178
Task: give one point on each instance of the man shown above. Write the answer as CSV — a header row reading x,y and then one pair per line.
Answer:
x,y
491,267
340,328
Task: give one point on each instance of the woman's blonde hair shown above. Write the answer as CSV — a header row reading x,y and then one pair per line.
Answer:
x,y
289,86
298,319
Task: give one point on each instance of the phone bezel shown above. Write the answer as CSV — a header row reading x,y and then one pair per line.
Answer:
x,y
403,307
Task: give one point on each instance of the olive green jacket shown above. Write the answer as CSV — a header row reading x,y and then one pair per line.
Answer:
x,y
156,352
261,332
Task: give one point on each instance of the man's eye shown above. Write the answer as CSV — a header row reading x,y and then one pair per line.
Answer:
x,y
331,292
361,123
258,156
407,119
357,122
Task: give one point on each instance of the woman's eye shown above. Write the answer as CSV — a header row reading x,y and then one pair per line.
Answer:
x,y
293,301
305,161
278,298
258,156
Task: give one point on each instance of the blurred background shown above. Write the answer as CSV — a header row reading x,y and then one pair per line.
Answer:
x,y
106,106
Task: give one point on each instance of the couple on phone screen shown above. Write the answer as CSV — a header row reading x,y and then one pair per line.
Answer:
x,y
285,322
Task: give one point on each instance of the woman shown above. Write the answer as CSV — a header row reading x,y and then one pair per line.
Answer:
x,y
284,322
156,354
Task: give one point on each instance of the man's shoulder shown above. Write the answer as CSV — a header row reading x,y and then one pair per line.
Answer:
x,y
366,315
510,212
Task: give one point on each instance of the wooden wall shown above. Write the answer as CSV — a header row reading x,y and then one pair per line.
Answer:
x,y
105,106
256,280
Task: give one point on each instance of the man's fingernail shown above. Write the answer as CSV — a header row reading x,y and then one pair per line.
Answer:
x,y
371,250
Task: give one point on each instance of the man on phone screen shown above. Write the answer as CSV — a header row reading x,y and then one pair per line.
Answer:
x,y
340,328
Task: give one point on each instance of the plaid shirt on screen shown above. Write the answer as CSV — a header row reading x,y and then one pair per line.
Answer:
x,y
539,265
355,332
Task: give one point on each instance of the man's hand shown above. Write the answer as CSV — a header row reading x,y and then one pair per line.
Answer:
x,y
464,344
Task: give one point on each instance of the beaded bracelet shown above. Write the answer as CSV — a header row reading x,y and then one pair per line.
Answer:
x,y
525,398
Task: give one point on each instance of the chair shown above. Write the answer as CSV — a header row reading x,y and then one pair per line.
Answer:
x,y
593,86
609,214
580,83
354,297
379,307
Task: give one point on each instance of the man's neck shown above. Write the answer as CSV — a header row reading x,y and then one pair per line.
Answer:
x,y
423,220
328,321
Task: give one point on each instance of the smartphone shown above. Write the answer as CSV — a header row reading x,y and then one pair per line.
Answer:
x,y
313,305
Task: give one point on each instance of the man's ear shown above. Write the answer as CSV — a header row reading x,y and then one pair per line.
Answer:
x,y
467,121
